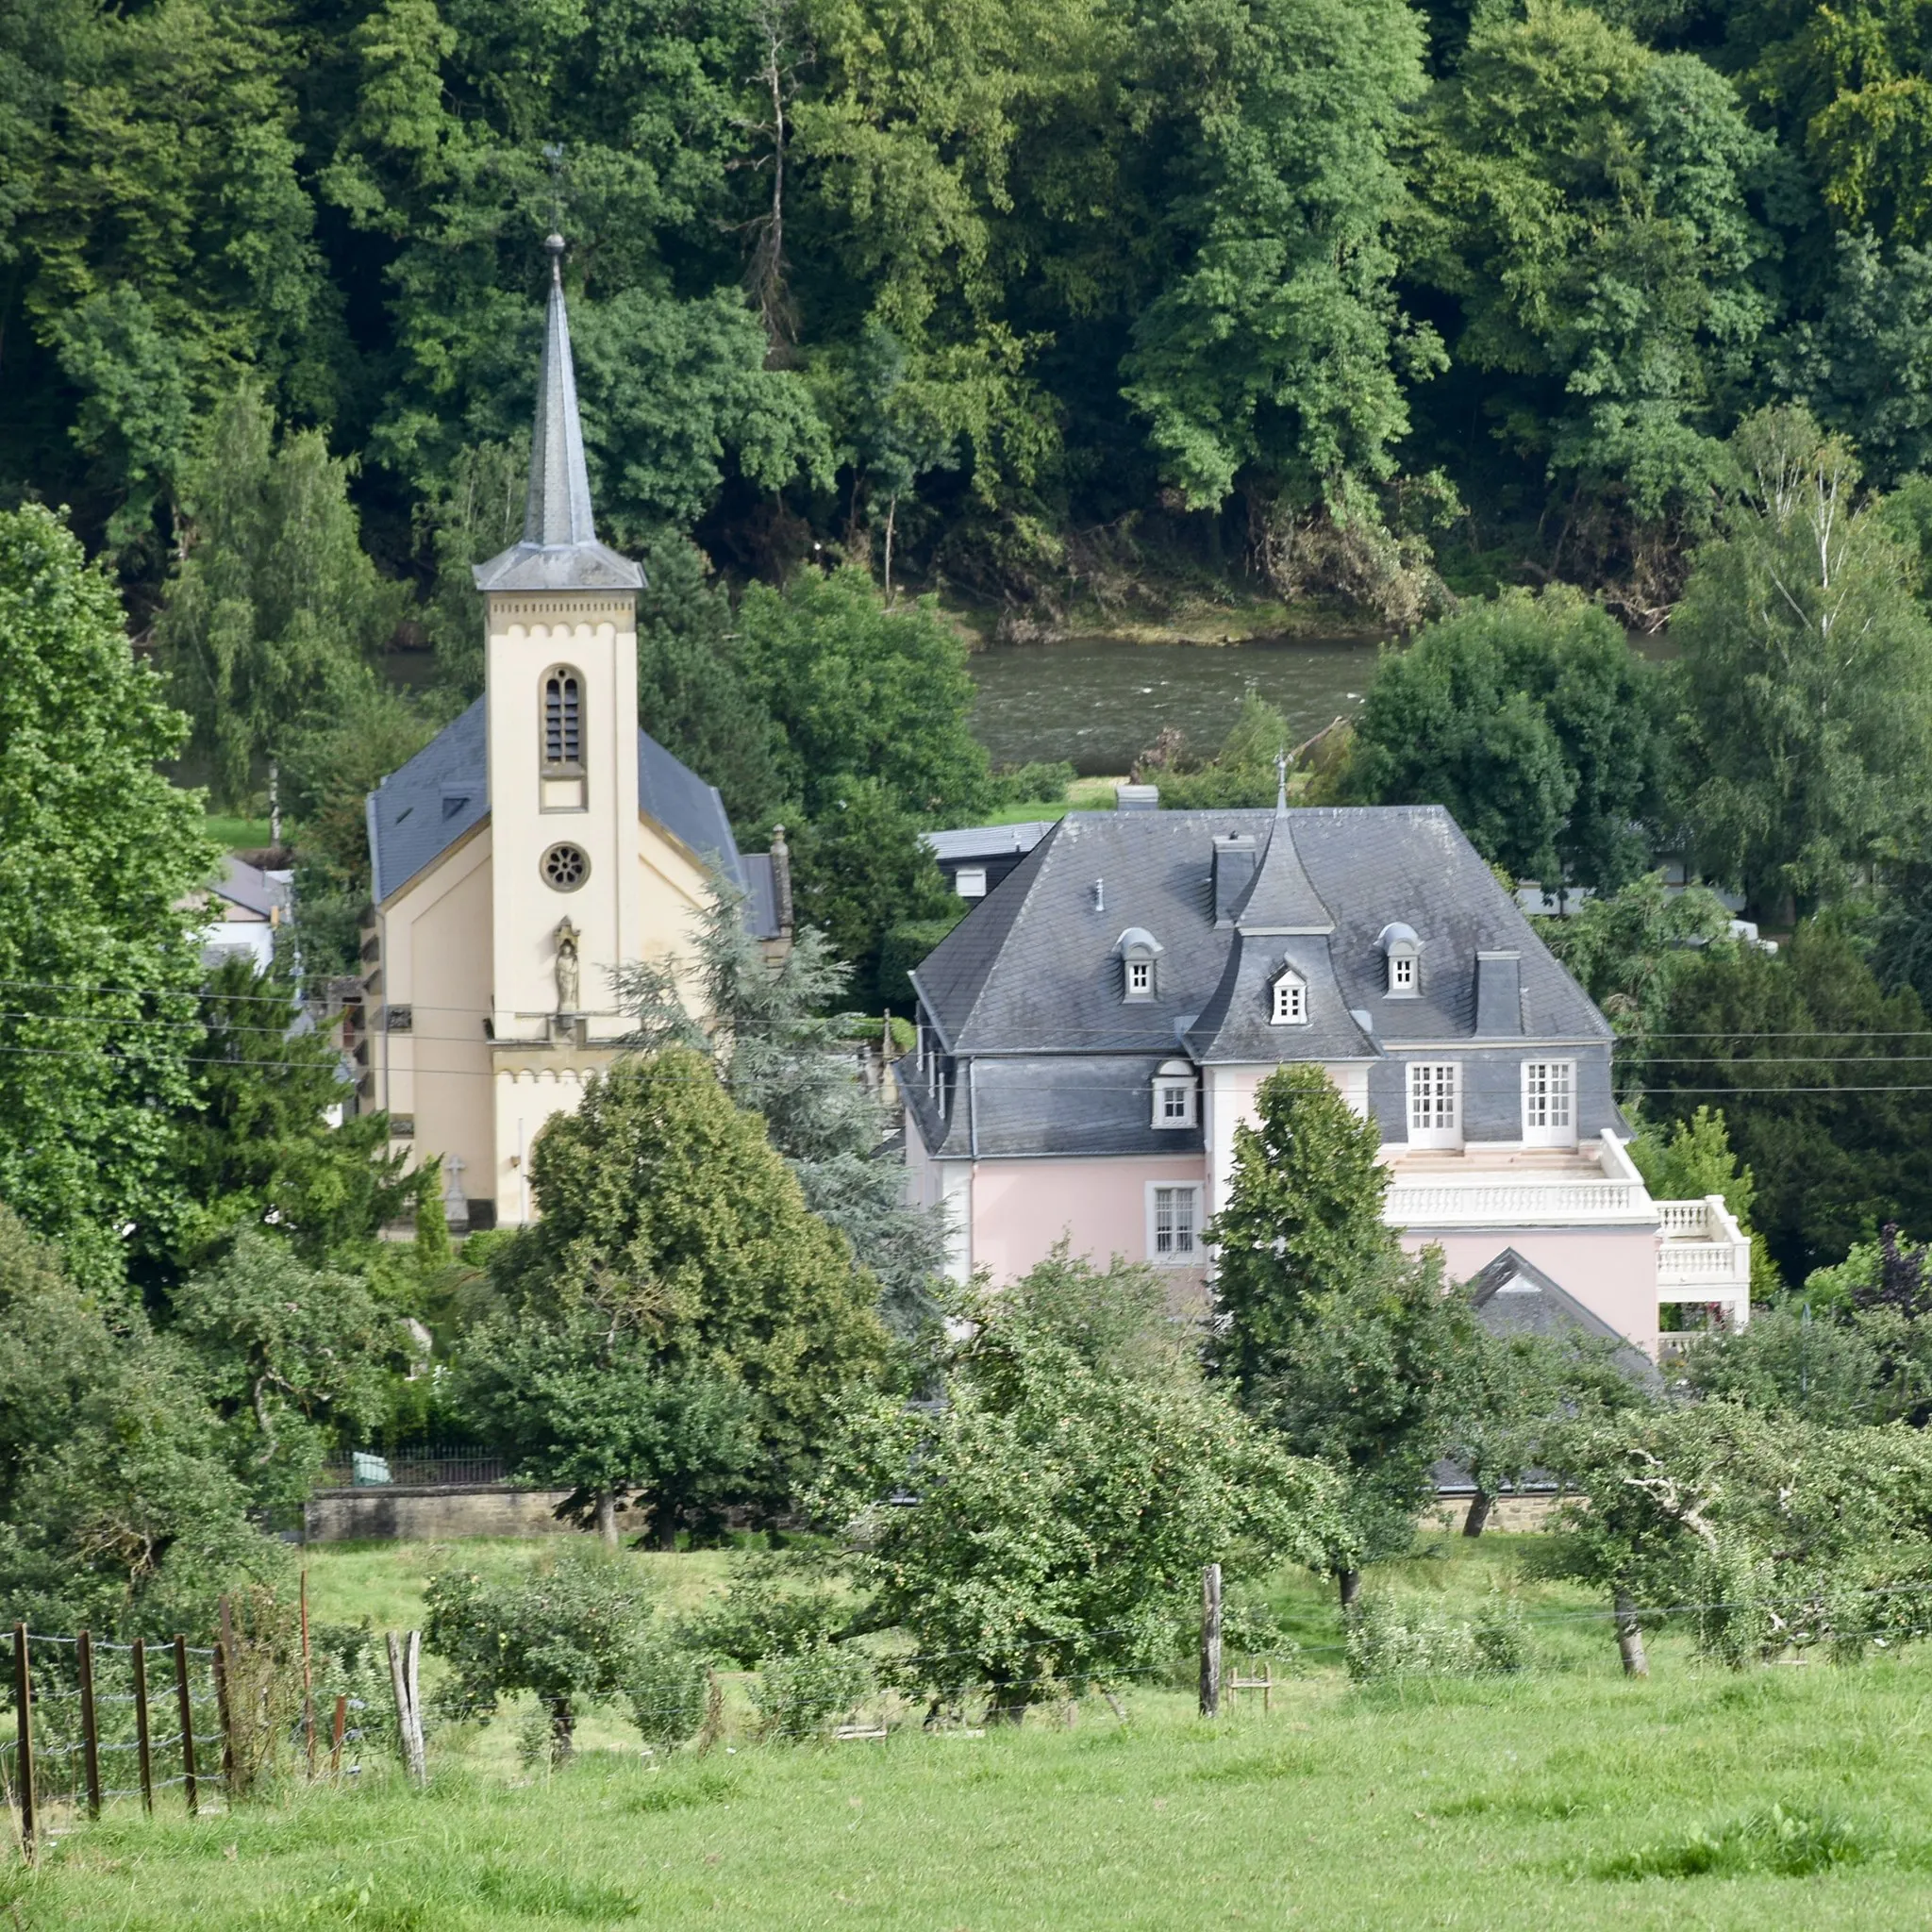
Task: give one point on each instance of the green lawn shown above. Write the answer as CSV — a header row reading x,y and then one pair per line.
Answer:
x,y
237,835
1565,1797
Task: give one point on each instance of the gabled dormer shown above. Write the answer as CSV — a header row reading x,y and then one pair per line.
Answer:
x,y
1138,953
1402,962
1288,999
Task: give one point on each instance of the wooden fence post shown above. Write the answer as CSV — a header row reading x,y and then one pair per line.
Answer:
x,y
90,1730
143,1741
224,1715
1211,1641
185,1698
24,1707
402,1680
308,1681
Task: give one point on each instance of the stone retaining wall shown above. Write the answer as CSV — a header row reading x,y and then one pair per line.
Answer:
x,y
402,1513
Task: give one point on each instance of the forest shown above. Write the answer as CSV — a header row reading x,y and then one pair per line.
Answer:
x,y
1048,305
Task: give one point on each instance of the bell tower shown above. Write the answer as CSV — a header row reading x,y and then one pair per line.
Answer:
x,y
561,704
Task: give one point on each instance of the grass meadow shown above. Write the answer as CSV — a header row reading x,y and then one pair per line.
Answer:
x,y
1796,1795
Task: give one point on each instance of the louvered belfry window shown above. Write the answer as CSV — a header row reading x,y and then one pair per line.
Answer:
x,y
564,719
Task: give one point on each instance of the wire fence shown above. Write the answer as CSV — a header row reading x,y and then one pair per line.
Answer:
x,y
95,1723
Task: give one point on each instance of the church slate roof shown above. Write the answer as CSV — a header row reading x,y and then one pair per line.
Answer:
x,y
420,809
1032,968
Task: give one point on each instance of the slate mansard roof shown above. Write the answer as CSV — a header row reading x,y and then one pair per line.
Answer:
x,y
1033,973
1032,969
425,805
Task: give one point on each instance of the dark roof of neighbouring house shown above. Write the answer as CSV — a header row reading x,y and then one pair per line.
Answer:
x,y
969,843
249,887
1513,1296
422,809
1033,968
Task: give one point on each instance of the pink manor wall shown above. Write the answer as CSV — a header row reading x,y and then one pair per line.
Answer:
x,y
1021,1207
1611,1271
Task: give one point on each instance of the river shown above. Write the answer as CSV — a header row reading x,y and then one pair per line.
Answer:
x,y
1099,702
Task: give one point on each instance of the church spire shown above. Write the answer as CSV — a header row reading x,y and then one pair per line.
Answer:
x,y
556,513
559,550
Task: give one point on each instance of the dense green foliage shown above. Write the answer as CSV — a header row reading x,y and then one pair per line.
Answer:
x,y
959,288
98,963
1533,721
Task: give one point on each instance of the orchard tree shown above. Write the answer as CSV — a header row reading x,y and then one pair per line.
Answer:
x,y
669,1219
1807,674
275,610
1049,1520
783,1052
99,964
571,1630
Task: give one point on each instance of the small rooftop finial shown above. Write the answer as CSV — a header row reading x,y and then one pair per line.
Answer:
x,y
1281,784
553,241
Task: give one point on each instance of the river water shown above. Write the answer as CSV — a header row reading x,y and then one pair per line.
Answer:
x,y
1099,702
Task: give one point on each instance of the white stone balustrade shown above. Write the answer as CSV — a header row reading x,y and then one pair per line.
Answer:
x,y
1703,1256
1477,1202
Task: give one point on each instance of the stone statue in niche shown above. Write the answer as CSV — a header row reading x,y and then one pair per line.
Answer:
x,y
569,976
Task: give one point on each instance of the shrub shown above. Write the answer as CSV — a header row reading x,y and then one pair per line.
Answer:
x,y
806,1695
1385,1643
669,1690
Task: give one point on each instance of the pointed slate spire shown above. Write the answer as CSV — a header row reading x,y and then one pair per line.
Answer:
x,y
1283,898
559,550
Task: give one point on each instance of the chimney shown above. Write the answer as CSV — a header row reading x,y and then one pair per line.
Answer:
x,y
1235,855
1498,993
1137,798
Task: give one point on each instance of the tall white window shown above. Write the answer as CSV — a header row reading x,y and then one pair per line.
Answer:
x,y
1139,975
1549,1103
1290,1005
1401,973
1174,1213
563,718
1435,1104
1173,1095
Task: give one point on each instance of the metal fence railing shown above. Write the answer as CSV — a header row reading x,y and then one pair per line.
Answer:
x,y
438,1466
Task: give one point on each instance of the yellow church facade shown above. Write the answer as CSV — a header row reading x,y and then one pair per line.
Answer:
x,y
541,839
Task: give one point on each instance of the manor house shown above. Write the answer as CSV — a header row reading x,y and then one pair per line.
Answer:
x,y
1092,1035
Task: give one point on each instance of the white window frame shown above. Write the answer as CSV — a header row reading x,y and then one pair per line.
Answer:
x,y
1404,974
1141,979
1433,1103
1194,1254
970,882
1549,1103
1288,999
1174,1080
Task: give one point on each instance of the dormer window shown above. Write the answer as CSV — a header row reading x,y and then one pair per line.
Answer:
x,y
1402,951
1289,999
1173,1094
1138,952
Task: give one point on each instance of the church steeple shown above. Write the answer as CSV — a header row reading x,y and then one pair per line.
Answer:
x,y
559,549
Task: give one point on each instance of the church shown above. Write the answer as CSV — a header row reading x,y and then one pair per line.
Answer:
x,y
540,840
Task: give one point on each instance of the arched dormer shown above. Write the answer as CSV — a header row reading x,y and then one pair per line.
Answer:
x,y
1173,1094
1140,956
1402,956
1288,999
